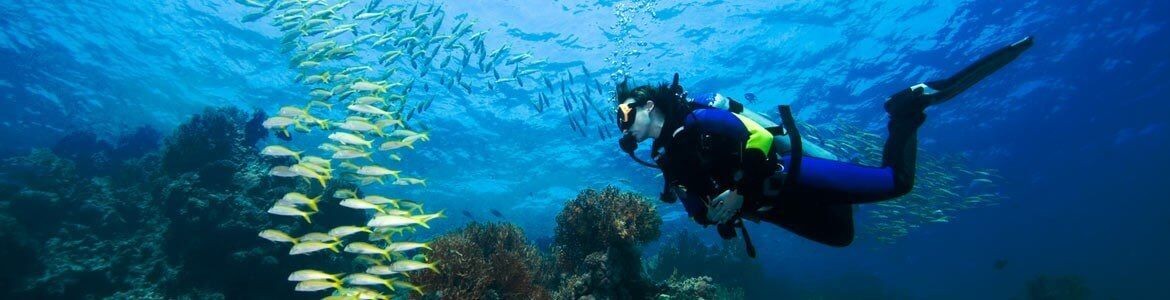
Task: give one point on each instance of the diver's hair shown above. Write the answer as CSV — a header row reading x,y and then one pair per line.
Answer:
x,y
672,105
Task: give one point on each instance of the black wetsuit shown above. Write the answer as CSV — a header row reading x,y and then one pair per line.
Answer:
x,y
705,153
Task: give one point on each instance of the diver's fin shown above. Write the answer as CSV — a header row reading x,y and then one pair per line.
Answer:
x,y
943,90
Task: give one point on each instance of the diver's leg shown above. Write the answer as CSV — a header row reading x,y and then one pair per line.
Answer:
x,y
826,224
900,153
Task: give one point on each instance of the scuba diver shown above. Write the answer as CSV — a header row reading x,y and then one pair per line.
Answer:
x,y
727,163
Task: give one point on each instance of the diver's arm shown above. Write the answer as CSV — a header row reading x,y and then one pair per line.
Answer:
x,y
696,207
723,143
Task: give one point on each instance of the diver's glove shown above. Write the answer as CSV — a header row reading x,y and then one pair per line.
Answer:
x,y
724,207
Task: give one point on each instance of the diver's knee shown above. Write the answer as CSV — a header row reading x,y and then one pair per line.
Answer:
x,y
839,241
902,187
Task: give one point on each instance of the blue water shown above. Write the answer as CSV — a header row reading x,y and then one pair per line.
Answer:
x,y
1077,126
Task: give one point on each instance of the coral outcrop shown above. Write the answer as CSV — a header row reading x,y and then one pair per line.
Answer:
x,y
596,245
485,261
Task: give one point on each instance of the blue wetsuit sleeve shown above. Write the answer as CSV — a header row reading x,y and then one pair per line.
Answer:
x,y
836,182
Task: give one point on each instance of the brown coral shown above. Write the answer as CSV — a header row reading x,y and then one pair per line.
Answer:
x,y
596,245
484,261
597,220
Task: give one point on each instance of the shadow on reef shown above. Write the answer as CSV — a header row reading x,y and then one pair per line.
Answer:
x,y
91,219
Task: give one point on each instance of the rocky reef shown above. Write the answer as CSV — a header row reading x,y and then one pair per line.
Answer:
x,y
128,219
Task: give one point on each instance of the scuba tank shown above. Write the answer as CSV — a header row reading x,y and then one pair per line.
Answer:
x,y
629,144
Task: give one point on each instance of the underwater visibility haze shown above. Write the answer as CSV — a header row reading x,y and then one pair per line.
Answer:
x,y
386,149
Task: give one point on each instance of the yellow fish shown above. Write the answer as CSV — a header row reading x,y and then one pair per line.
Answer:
x,y
393,145
410,265
349,139
376,171
298,198
344,194
277,236
310,247
379,200
282,210
367,109
343,231
394,221
366,248
309,274
368,279
360,204
317,237
316,285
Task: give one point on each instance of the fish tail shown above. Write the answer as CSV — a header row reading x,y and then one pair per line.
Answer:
x,y
313,204
333,247
307,219
321,179
379,179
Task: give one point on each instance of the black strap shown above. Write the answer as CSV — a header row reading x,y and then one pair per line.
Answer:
x,y
747,240
797,147
776,130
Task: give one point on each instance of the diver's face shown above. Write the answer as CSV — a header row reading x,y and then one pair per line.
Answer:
x,y
641,127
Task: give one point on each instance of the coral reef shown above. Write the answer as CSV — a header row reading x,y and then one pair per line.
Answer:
x,y
485,261
690,288
596,245
599,220
159,225
93,156
1066,287
218,134
686,256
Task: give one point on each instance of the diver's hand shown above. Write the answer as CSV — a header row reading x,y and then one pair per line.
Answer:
x,y
724,207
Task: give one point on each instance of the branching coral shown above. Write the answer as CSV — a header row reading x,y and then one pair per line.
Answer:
x,y
484,261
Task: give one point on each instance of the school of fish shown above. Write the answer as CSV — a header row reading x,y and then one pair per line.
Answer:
x,y
366,109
